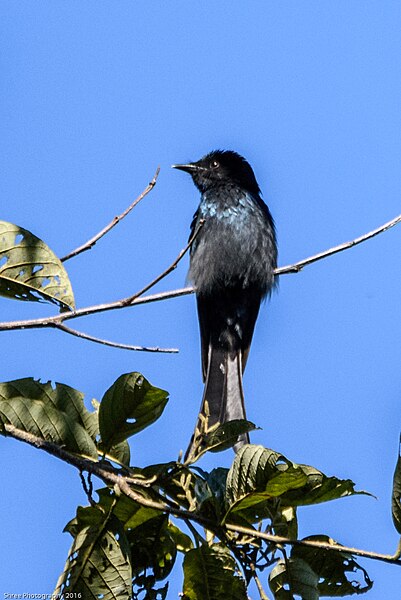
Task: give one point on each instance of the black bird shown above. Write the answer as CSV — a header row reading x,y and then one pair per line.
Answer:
x,y
232,267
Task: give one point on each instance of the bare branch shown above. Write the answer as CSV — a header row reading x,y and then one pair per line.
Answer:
x,y
90,243
298,266
92,338
56,320
87,486
128,301
103,471
262,593
109,475
138,298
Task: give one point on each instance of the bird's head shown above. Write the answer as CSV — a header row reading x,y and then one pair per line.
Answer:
x,y
221,166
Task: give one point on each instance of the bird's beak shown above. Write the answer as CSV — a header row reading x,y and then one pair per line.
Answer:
x,y
189,168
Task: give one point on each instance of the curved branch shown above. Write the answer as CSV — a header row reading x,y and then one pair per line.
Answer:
x,y
298,266
109,475
97,340
57,320
278,539
131,299
139,298
90,243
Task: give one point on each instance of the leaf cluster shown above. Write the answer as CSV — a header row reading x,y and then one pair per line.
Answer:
x,y
126,544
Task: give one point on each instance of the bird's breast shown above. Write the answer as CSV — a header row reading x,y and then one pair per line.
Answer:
x,y
236,246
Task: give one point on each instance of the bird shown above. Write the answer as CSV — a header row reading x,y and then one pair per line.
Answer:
x,y
233,257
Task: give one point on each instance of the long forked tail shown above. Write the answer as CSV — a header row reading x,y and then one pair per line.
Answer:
x,y
223,396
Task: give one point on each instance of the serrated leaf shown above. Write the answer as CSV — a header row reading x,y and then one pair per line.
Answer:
x,y
258,475
293,577
29,270
320,488
98,564
128,406
210,573
252,468
396,496
339,574
280,483
56,414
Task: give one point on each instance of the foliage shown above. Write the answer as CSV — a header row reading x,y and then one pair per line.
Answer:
x,y
126,542
29,270
124,546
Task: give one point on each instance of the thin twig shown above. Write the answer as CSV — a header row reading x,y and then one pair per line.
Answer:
x,y
87,486
90,310
137,298
278,539
262,593
287,568
298,266
92,338
109,476
56,320
99,469
128,301
90,243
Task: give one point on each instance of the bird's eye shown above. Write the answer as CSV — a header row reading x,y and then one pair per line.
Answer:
x,y
215,164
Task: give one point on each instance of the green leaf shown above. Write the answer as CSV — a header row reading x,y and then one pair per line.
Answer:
x,y
129,512
285,522
182,541
218,438
210,573
216,482
153,549
293,577
280,483
29,270
177,481
320,488
98,564
259,475
119,453
56,414
151,539
226,435
339,574
252,468
396,496
128,406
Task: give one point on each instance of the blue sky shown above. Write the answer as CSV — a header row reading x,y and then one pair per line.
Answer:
x,y
94,96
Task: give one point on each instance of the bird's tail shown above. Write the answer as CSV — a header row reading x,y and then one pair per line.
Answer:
x,y
223,396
